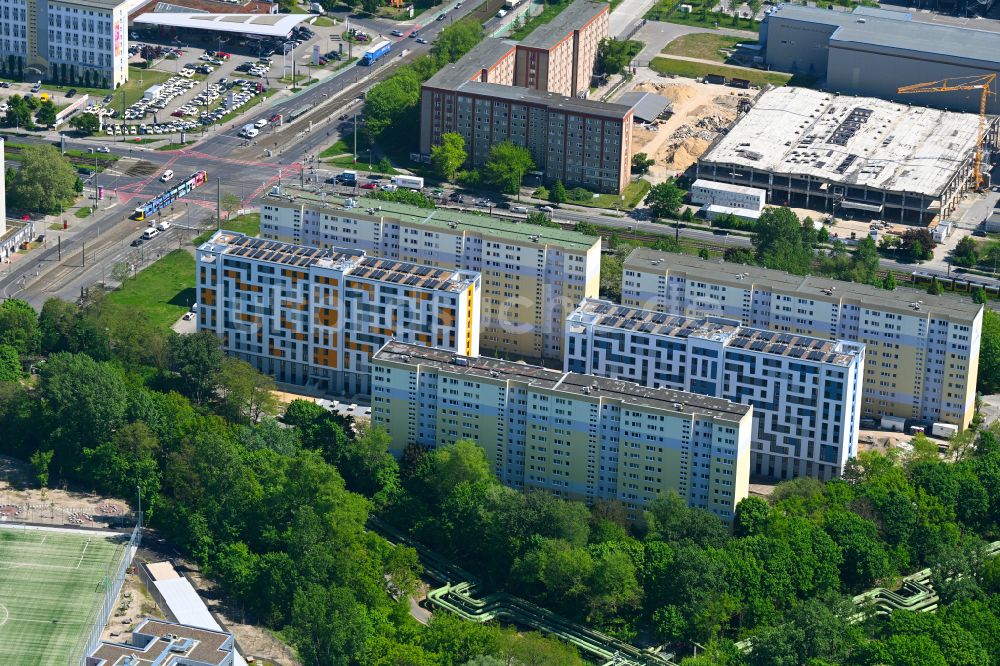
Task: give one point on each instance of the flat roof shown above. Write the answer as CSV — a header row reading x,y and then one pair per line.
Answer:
x,y
354,263
262,25
151,647
93,4
483,55
550,100
728,187
586,386
854,141
889,29
454,220
809,286
645,106
574,17
608,315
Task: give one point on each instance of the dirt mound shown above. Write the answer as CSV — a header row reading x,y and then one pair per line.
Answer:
x,y
675,92
685,154
727,101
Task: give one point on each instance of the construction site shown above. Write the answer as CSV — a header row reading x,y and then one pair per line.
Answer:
x,y
837,153
699,112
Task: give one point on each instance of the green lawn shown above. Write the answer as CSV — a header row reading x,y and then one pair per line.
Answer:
x,y
51,589
345,145
248,224
669,10
704,45
634,193
323,22
697,70
549,12
164,291
83,212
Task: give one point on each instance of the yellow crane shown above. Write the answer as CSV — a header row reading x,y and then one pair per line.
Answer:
x,y
984,83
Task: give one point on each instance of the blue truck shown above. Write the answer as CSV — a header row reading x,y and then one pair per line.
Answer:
x,y
376,52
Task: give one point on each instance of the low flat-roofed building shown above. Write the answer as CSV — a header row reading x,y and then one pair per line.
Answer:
x,y
158,643
572,435
805,391
817,150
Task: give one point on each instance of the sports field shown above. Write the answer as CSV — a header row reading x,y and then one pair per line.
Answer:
x,y
51,591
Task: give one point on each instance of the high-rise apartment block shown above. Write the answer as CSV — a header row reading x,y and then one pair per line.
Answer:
x,y
315,316
54,39
805,391
531,93
921,351
532,277
572,435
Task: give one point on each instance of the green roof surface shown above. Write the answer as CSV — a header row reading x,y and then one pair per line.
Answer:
x,y
467,221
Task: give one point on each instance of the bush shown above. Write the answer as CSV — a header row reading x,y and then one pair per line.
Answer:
x,y
733,222
470,178
404,196
579,194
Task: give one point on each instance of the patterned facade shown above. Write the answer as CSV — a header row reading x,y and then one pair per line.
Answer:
x,y
314,317
575,436
921,351
532,277
805,391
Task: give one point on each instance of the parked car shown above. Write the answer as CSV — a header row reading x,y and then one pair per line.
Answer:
x,y
71,92
545,209
396,33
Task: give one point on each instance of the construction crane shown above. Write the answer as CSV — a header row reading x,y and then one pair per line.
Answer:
x,y
984,83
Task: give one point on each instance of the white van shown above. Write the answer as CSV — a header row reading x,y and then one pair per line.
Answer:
x,y
150,233
167,175
251,133
163,226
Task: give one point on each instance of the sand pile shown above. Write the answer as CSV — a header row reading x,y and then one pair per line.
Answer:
x,y
685,154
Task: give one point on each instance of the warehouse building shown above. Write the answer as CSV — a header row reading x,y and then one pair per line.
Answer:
x,y
811,149
575,436
805,391
873,52
532,277
921,351
531,93
314,317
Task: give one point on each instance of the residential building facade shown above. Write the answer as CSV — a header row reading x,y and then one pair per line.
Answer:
x,y
572,435
530,93
314,317
805,391
921,351
532,277
60,39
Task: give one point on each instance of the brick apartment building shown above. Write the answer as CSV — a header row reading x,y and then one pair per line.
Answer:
x,y
529,93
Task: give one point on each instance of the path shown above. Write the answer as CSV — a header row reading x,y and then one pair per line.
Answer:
x,y
657,34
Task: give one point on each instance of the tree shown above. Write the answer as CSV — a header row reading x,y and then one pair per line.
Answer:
x,y
866,260
739,255
917,244
19,326
18,113
780,242
371,6
449,156
198,360
85,123
44,183
230,203
40,461
935,288
755,6
890,281
393,103
664,200
557,194
614,56
121,272
46,115
10,364
316,611
247,393
989,354
455,41
752,514
506,165
540,219
641,163
966,253
979,295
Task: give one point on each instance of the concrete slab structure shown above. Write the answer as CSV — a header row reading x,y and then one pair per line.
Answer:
x,y
816,150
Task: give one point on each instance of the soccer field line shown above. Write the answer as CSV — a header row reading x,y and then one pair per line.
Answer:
x,y
7,565
83,553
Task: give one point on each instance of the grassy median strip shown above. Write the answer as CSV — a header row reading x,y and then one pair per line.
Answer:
x,y
698,70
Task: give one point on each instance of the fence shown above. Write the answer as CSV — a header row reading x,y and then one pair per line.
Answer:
x,y
114,578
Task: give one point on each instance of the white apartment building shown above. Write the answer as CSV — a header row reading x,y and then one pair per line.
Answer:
x,y
532,277
314,317
717,199
70,41
921,351
805,391
575,436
